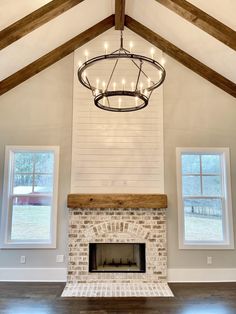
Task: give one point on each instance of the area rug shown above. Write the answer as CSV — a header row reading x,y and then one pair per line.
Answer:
x,y
117,290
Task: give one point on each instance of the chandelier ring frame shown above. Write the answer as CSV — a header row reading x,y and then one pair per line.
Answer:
x,y
112,56
108,94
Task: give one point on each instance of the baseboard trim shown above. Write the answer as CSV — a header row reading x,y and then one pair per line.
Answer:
x,y
202,275
174,274
33,274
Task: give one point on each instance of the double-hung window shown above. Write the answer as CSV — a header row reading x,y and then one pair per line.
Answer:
x,y
29,208
204,198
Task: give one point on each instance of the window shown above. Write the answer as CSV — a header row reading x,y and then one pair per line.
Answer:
x,y
30,197
204,198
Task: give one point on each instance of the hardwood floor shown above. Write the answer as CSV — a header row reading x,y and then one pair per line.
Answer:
x,y
44,298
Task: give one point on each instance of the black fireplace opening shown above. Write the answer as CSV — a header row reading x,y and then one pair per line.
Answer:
x,y
117,257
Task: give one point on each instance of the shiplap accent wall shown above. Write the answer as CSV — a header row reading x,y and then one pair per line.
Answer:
x,y
116,152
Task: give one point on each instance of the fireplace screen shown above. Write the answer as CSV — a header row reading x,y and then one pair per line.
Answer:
x,y
117,257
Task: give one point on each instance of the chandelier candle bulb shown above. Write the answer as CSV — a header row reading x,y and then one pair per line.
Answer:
x,y
114,86
141,87
106,47
149,82
123,84
163,61
103,86
152,52
136,101
130,46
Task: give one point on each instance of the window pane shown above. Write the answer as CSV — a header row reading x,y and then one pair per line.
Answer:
x,y
23,184
43,183
211,164
44,162
23,162
31,218
191,185
190,164
203,220
211,185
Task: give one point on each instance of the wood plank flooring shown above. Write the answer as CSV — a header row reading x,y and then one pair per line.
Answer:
x,y
44,298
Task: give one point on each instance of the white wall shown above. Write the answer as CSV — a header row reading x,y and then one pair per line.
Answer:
x,y
196,114
116,152
39,112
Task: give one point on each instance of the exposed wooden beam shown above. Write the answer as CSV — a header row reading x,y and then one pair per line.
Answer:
x,y
181,56
119,14
33,20
55,55
117,201
202,20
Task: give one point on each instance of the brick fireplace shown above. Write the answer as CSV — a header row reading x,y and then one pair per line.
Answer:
x,y
128,236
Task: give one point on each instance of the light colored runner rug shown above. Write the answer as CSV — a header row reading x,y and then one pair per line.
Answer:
x,y
117,290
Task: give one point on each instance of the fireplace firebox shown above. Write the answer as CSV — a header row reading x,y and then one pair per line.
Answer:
x,y
117,257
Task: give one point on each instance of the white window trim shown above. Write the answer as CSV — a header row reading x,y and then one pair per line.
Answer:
x,y
229,234
5,243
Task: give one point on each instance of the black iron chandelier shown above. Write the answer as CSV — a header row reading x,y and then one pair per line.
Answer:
x,y
122,95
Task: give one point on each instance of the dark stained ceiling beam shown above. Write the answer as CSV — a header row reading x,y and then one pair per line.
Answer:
x,y
202,20
181,56
119,14
34,20
56,55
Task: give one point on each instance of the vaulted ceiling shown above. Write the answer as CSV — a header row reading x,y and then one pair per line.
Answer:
x,y
200,34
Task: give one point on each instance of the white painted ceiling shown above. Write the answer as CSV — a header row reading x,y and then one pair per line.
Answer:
x,y
185,35
13,10
222,10
166,23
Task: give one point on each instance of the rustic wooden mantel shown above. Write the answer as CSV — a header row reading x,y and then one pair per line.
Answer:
x,y
117,201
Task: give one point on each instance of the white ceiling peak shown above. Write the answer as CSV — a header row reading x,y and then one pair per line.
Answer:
x,y
184,35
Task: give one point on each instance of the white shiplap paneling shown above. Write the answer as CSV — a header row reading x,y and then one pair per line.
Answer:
x,y
116,152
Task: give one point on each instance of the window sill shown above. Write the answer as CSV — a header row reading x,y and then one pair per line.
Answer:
x,y
207,246
27,246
